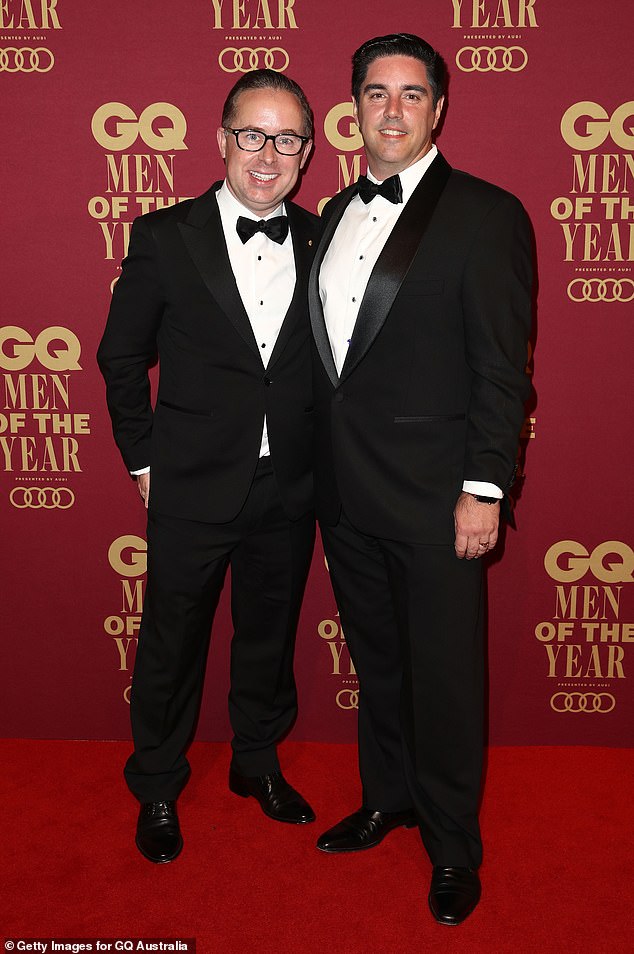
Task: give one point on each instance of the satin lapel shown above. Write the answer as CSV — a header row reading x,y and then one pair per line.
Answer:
x,y
394,261
204,239
317,321
303,239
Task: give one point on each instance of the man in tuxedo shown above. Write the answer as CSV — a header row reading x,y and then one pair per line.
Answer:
x,y
420,299
215,287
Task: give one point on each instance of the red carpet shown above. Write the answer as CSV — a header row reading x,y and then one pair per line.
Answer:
x,y
557,876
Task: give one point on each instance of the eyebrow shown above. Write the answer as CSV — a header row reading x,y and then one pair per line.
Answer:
x,y
404,88
282,132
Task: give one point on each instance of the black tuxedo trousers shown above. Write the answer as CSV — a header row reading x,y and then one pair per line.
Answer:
x,y
269,558
412,616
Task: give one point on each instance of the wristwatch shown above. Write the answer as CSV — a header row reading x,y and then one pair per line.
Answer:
x,y
488,500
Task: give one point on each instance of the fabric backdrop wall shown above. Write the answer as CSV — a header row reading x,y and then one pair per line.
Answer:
x,y
110,110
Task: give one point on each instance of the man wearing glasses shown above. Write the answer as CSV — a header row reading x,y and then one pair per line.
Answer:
x,y
216,288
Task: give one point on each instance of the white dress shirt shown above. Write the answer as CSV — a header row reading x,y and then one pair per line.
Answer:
x,y
265,275
356,245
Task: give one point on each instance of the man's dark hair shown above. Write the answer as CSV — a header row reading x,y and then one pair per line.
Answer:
x,y
399,44
266,79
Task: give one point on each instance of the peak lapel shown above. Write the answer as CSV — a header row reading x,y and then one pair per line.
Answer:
x,y
394,261
204,239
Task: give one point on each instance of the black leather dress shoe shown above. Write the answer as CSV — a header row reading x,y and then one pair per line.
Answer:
x,y
363,829
454,893
277,798
158,834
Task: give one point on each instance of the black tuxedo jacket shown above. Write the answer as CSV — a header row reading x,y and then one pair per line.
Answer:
x,y
177,299
433,386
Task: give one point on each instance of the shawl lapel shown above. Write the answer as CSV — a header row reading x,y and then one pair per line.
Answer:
x,y
394,262
320,333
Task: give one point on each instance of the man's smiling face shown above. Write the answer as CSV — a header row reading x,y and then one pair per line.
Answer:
x,y
261,180
395,114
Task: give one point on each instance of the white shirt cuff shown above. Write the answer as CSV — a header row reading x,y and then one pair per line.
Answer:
x,y
136,473
483,488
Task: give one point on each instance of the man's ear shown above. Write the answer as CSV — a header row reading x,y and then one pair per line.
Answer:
x,y
305,153
438,111
221,138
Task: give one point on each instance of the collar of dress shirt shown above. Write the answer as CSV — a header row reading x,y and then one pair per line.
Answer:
x,y
231,208
411,176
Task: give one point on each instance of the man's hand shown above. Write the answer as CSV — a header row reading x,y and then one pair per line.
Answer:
x,y
143,483
476,527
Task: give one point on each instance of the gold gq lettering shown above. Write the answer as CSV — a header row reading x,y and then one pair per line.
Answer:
x,y
342,665
254,14
493,14
343,133
127,555
29,15
585,638
597,215
37,423
136,183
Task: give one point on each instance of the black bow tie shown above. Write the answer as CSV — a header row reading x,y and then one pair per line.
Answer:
x,y
391,189
276,229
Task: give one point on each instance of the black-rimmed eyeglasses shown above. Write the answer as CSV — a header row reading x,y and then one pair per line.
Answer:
x,y
251,140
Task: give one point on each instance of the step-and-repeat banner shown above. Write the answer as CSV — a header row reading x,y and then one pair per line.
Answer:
x,y
109,111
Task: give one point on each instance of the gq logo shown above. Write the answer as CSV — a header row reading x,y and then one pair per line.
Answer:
x,y
587,125
611,562
127,555
18,349
161,126
343,136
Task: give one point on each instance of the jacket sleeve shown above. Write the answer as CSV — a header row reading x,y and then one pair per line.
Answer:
x,y
497,308
129,345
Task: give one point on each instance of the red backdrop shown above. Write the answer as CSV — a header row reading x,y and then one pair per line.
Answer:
x,y
109,110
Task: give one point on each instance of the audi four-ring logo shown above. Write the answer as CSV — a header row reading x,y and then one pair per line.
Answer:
x,y
45,498
348,698
601,289
496,59
233,60
583,702
26,59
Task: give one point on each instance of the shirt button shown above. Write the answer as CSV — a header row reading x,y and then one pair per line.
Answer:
x,y
374,219
264,346
259,258
360,258
354,299
261,302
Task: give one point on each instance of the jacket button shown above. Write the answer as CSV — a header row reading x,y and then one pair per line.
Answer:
x,y
338,397
267,381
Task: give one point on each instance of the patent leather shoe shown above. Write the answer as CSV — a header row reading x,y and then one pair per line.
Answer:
x,y
364,829
277,798
158,833
454,893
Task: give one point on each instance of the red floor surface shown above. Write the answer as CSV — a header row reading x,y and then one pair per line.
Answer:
x,y
558,874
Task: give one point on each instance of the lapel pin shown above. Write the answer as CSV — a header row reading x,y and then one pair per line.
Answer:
x,y
310,242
